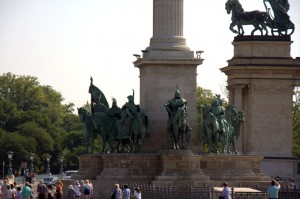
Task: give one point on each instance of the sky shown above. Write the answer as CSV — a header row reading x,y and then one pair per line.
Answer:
x,y
64,42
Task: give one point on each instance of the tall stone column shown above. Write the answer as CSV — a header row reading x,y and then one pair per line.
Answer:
x,y
168,26
165,63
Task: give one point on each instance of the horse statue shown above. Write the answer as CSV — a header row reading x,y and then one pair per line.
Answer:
x,y
239,18
210,130
178,125
132,127
139,131
89,129
107,128
179,129
235,118
221,125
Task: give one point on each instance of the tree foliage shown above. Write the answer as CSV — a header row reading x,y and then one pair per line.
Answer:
x,y
33,119
296,122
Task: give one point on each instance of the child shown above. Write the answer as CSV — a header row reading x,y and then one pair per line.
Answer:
x,y
19,193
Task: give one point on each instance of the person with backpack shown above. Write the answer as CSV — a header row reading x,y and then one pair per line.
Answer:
x,y
117,192
88,190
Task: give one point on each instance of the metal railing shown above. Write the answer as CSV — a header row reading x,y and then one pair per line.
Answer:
x,y
150,191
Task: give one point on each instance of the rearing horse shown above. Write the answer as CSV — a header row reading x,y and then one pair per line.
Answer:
x,y
239,18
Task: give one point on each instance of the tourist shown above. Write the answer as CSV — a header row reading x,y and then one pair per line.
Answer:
x,y
126,192
81,189
117,193
26,191
71,193
76,188
4,189
91,188
42,190
226,193
50,196
33,194
10,194
19,193
13,189
59,190
291,184
87,191
137,193
272,191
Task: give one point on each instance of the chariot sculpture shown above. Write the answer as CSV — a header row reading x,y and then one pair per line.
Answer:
x,y
275,17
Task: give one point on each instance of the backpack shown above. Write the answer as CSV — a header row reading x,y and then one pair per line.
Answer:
x,y
87,190
113,196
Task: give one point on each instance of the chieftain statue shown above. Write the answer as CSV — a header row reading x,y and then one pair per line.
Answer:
x,y
221,125
275,17
178,125
116,126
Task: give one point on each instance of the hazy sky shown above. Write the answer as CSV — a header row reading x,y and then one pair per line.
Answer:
x,y
64,42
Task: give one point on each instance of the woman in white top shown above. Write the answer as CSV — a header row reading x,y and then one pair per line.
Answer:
x,y
137,193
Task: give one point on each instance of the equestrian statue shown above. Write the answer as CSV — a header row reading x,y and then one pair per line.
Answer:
x,y
221,125
178,125
119,128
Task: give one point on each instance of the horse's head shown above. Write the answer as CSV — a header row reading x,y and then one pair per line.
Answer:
x,y
228,6
212,121
82,114
233,5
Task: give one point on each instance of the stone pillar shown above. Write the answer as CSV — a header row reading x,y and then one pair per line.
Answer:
x,y
261,78
168,26
167,62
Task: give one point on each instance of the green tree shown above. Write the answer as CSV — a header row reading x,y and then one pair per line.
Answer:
x,y
34,116
296,122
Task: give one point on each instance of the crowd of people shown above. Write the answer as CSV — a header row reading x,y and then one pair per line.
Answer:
x,y
15,191
80,190
84,190
118,193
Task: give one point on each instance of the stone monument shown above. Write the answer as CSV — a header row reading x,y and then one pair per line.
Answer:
x,y
165,63
261,78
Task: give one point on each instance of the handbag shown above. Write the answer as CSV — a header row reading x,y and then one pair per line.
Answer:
x,y
221,197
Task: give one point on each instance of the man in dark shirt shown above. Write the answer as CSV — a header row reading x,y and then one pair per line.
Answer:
x,y
42,190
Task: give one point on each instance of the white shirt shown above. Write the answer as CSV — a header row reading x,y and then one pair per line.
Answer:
x,y
137,195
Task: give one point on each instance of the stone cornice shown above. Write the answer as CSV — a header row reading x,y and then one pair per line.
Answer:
x,y
264,61
168,69
142,62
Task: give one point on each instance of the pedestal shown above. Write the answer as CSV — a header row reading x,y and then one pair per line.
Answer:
x,y
233,168
180,166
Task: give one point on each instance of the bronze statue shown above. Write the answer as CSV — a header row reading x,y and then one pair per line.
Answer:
x,y
133,125
116,126
221,125
279,24
86,118
178,125
239,18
